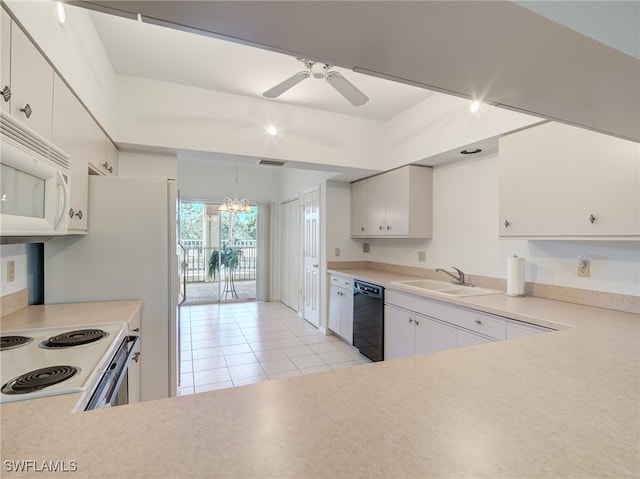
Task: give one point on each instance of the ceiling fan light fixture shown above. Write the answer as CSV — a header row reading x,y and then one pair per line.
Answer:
x,y
474,107
319,70
272,130
61,14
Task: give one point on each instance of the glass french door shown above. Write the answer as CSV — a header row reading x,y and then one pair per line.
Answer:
x,y
221,253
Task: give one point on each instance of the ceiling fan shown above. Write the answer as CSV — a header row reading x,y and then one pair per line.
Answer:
x,y
320,71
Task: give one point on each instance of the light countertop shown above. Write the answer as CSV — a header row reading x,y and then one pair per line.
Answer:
x,y
561,404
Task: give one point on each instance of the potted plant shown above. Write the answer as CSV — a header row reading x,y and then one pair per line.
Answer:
x,y
226,257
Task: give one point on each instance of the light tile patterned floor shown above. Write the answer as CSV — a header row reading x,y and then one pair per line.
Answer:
x,y
227,345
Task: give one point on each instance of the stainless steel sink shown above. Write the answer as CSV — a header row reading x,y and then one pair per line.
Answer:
x,y
444,288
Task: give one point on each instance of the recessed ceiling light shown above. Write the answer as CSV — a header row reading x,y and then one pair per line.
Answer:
x,y
475,106
60,13
272,130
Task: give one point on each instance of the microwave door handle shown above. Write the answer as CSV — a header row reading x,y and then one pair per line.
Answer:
x,y
62,185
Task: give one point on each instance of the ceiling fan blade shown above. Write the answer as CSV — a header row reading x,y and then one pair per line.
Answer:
x,y
347,89
280,88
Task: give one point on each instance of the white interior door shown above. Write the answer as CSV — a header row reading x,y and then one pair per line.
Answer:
x,y
311,199
289,253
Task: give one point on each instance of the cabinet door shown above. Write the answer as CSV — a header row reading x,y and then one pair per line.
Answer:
x,y
133,376
468,339
432,336
334,308
376,206
31,84
358,208
5,57
65,134
397,202
539,182
112,158
398,333
96,146
346,315
610,182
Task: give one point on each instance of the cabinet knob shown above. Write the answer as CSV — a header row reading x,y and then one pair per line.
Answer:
x,y
27,110
380,228
410,320
136,357
417,323
388,228
6,93
478,322
79,214
362,228
136,330
592,219
71,213
506,223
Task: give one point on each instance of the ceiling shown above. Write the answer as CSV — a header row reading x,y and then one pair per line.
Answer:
x,y
148,51
514,55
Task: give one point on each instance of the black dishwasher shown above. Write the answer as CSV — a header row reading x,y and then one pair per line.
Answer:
x,y
368,319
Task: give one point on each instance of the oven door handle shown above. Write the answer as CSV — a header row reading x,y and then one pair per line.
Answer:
x,y
109,385
132,344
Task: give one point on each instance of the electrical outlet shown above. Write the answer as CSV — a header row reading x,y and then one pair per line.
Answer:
x,y
365,247
337,252
584,267
422,255
11,271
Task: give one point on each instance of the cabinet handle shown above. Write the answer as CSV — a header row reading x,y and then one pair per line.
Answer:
x,y
362,228
136,357
477,321
380,228
506,223
137,330
592,219
388,228
27,110
410,320
73,213
417,323
6,93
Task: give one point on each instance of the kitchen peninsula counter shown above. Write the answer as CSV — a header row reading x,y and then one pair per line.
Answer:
x,y
561,404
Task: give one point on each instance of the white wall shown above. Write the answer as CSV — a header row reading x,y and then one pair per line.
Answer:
x,y
75,50
183,117
140,164
465,235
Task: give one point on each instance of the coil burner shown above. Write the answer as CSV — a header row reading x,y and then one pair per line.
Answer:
x,y
39,379
74,338
11,342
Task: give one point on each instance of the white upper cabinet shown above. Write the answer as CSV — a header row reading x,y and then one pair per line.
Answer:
x,y
67,117
359,208
558,181
5,61
397,204
31,85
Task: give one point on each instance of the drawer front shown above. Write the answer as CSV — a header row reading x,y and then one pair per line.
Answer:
x,y
483,323
341,281
425,306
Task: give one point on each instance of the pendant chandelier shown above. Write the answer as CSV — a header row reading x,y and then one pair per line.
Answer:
x,y
236,205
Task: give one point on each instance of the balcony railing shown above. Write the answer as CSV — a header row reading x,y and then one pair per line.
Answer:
x,y
197,264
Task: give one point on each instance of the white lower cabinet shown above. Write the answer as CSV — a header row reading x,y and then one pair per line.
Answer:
x,y
133,373
409,331
341,307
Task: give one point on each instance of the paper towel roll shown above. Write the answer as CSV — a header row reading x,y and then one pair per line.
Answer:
x,y
515,276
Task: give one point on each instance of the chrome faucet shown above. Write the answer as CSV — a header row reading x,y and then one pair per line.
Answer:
x,y
458,279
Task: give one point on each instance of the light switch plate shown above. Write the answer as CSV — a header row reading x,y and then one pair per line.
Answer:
x,y
337,252
584,267
422,255
365,247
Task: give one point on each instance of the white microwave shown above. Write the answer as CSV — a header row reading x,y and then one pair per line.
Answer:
x,y
34,183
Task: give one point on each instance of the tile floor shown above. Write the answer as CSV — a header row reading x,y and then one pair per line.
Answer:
x,y
227,345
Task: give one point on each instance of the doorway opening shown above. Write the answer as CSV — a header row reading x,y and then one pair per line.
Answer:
x,y
220,253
